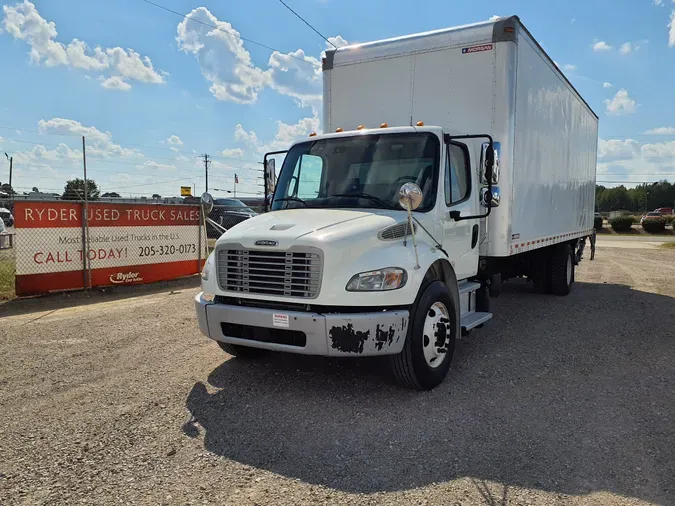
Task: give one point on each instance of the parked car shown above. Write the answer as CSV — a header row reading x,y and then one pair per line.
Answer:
x,y
650,216
664,210
228,212
7,217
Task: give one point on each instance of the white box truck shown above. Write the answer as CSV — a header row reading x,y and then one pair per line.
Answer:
x,y
451,161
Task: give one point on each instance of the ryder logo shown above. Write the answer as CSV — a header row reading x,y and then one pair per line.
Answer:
x,y
477,49
125,277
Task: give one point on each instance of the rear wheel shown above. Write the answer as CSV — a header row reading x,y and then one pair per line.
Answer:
x,y
562,270
240,351
541,271
430,343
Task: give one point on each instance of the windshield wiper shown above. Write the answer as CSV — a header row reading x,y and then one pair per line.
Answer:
x,y
292,199
367,196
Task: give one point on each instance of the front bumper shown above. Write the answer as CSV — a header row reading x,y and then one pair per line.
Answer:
x,y
334,334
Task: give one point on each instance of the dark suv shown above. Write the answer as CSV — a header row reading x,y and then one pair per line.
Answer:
x,y
228,212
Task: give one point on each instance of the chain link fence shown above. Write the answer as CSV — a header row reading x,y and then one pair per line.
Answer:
x,y
59,244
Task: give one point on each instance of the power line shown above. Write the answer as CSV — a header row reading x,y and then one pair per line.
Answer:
x,y
307,23
236,34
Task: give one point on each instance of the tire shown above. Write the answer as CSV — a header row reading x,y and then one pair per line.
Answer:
x,y
541,272
240,351
562,270
411,366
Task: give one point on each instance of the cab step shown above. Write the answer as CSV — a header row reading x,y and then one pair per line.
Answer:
x,y
473,319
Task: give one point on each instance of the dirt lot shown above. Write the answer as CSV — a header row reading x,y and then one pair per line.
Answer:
x,y
119,399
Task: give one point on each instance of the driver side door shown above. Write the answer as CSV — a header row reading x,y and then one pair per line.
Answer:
x,y
460,238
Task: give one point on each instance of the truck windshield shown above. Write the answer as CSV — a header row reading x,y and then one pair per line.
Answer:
x,y
364,171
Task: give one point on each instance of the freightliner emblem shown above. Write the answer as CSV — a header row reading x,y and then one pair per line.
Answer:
x,y
266,242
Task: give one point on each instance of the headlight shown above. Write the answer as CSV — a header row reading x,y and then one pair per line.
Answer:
x,y
208,265
389,278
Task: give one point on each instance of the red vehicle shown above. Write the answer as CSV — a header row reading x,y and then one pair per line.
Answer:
x,y
664,210
650,216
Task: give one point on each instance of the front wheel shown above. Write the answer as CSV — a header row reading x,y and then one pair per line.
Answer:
x,y
240,351
430,343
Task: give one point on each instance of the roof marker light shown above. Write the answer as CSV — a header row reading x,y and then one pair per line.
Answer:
x,y
360,127
420,123
339,129
313,134
384,125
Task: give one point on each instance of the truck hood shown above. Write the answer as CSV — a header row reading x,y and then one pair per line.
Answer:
x,y
294,226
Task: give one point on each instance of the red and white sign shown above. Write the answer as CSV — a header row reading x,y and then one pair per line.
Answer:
x,y
127,244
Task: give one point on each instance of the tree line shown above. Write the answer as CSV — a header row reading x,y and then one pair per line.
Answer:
x,y
645,197
74,190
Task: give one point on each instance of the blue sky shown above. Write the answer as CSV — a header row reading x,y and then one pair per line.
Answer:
x,y
151,91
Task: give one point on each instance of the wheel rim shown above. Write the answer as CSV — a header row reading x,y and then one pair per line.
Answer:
x,y
569,270
436,334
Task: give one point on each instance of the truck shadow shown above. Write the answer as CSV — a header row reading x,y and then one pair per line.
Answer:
x,y
570,395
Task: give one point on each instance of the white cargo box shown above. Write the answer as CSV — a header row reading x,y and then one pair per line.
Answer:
x,y
488,78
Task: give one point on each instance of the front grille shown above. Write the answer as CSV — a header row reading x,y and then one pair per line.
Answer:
x,y
285,273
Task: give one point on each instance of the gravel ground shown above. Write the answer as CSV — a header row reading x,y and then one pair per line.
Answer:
x,y
117,398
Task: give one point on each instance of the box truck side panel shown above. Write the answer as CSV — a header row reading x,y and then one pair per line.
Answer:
x,y
553,194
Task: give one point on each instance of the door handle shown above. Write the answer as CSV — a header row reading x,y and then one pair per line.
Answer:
x,y
474,236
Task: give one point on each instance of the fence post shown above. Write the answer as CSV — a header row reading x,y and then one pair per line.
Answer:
x,y
85,220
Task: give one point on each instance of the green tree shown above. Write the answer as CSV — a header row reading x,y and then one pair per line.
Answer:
x,y
156,196
7,189
74,190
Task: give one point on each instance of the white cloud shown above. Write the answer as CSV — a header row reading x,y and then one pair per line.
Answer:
x,y
114,83
153,165
626,48
671,32
629,158
569,67
659,151
661,131
657,2
285,135
227,64
616,149
621,103
337,41
175,142
224,61
24,22
600,46
98,143
607,84
233,153
494,18
289,75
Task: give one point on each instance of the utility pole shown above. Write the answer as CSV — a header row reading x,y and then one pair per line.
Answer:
x,y
207,160
11,159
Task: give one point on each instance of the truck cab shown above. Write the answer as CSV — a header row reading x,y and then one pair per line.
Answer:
x,y
368,249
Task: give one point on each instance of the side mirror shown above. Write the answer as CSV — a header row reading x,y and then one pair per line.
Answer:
x,y
490,163
206,203
410,196
490,198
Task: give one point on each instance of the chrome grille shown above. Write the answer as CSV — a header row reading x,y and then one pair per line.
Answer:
x,y
285,273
